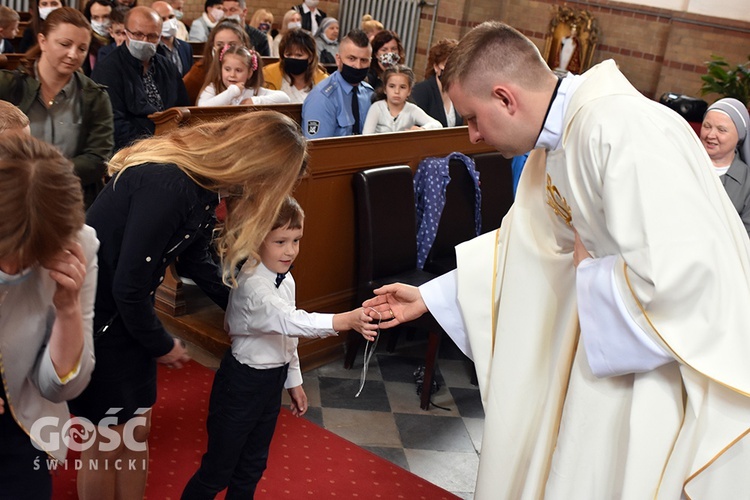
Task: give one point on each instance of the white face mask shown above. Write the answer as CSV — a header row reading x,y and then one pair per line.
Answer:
x,y
44,12
143,51
312,3
169,28
101,28
178,15
294,25
235,17
217,14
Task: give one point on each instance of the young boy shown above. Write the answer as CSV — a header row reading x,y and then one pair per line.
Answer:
x,y
9,19
263,324
116,31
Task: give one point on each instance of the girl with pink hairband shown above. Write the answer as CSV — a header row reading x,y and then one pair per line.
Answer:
x,y
235,78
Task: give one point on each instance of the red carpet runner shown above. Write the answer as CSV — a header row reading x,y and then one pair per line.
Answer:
x,y
305,461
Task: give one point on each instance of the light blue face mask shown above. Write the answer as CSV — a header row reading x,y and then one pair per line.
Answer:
x,y
15,279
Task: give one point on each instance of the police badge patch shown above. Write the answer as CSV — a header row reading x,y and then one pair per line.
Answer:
x,y
312,127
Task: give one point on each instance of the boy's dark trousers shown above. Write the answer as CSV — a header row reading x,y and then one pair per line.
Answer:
x,y
242,413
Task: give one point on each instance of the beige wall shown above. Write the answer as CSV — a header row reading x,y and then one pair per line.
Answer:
x,y
659,49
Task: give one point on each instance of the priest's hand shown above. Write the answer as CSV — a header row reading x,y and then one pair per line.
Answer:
x,y
579,251
395,304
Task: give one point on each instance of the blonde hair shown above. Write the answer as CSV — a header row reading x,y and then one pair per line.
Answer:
x,y
42,201
255,157
12,118
260,15
288,15
495,49
370,25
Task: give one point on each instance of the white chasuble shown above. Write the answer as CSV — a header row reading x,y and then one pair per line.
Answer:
x,y
553,429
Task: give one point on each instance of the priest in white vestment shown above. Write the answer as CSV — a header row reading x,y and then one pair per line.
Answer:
x,y
609,317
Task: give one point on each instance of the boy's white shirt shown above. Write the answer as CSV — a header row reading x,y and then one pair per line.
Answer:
x,y
264,323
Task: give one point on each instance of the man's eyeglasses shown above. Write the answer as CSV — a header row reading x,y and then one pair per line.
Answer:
x,y
151,37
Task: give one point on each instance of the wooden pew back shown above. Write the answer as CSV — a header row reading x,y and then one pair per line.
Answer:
x,y
10,61
172,118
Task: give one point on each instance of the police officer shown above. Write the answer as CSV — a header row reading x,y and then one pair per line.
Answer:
x,y
338,105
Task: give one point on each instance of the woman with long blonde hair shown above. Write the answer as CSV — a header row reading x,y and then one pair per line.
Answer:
x,y
159,209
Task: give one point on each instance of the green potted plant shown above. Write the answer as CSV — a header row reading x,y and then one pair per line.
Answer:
x,y
726,81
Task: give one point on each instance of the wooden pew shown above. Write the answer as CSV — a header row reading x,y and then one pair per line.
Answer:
x,y
325,270
10,61
172,118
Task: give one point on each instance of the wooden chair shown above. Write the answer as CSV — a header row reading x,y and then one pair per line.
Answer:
x,y
387,251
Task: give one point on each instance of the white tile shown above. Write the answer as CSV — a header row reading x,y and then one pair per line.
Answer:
x,y
337,370
452,471
403,398
475,427
364,428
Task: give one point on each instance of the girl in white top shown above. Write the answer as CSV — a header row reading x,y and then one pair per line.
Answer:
x,y
391,112
236,78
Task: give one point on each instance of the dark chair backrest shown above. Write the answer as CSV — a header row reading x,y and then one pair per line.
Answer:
x,y
496,184
456,221
386,222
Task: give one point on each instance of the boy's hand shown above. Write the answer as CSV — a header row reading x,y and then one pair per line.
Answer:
x,y
356,320
2,406
299,401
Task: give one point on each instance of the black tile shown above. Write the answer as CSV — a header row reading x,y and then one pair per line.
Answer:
x,y
395,368
393,455
468,401
429,432
339,393
314,415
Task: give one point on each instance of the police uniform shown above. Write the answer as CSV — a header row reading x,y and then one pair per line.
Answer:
x,y
327,111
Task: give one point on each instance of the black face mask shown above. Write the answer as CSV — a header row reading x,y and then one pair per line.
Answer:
x,y
295,66
353,76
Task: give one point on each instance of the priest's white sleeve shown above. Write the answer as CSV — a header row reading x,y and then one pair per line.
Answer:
x,y
441,297
614,343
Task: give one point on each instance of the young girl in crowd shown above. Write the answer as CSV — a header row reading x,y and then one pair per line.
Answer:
x,y
391,112
235,78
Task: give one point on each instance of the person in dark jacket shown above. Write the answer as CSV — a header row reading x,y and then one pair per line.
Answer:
x,y
98,13
311,15
65,108
139,81
39,10
158,209
177,51
428,94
